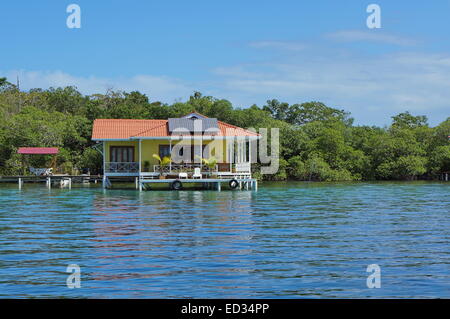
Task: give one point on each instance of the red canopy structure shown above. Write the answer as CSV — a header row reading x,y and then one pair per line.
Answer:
x,y
38,150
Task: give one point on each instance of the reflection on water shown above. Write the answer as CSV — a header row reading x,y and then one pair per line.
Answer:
x,y
287,240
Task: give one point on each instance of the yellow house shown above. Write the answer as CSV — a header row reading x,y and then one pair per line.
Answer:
x,y
129,147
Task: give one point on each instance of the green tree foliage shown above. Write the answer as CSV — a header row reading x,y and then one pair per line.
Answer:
x,y
317,142
406,120
6,86
299,114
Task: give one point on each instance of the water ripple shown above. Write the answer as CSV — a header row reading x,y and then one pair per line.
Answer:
x,y
288,240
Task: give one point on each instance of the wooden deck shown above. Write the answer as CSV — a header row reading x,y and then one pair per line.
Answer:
x,y
210,183
142,183
43,178
196,180
62,180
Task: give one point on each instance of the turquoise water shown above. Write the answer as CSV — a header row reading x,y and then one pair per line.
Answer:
x,y
288,240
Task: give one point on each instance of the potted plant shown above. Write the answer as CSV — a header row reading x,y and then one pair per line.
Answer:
x,y
211,163
163,163
146,166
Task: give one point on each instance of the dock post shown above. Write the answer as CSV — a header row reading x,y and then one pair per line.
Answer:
x,y
104,182
20,183
136,182
140,186
256,185
219,187
70,183
246,186
48,183
446,177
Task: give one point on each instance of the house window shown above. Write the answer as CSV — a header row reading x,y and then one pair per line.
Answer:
x,y
164,150
202,152
121,154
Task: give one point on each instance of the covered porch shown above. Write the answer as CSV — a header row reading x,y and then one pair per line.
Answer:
x,y
135,158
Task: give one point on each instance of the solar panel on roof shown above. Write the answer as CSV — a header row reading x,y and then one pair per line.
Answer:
x,y
191,125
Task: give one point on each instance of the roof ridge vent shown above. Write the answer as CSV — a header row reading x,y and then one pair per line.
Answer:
x,y
194,116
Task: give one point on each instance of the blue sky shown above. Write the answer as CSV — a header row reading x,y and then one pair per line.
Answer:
x,y
244,51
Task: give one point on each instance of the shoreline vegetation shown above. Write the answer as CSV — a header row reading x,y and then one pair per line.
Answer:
x,y
317,142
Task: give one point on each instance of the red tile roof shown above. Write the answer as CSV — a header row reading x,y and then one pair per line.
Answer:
x,y
105,129
38,150
122,129
233,130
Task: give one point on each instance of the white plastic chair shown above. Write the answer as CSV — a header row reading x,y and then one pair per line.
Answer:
x,y
182,175
197,173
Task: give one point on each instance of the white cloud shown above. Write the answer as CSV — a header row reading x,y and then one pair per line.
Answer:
x,y
156,87
370,36
372,89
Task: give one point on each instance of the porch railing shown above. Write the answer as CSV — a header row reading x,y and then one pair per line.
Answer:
x,y
133,167
121,167
177,168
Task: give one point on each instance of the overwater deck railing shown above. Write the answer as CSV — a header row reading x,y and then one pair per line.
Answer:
x,y
178,168
121,167
133,167
220,168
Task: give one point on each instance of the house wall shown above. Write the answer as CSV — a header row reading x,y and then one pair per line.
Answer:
x,y
150,147
122,143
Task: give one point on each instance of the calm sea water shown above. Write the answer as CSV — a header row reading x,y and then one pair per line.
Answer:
x,y
288,240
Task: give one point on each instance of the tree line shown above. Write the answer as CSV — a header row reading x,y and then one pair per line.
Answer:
x,y
317,142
